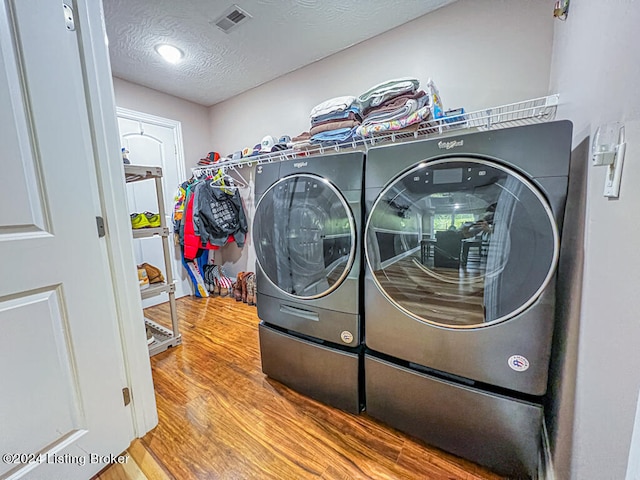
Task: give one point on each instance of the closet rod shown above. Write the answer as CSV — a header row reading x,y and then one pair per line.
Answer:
x,y
213,169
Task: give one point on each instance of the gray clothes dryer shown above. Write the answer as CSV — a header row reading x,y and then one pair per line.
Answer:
x,y
462,241
306,234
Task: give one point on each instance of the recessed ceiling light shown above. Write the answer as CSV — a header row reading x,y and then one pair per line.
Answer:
x,y
170,53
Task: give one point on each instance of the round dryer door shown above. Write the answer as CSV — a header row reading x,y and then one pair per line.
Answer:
x,y
461,243
304,235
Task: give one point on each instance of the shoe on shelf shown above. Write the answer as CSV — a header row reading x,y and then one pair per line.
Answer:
x,y
150,337
143,278
153,218
139,220
154,273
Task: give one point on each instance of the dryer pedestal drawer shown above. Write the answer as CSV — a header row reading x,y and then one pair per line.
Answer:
x,y
498,432
325,374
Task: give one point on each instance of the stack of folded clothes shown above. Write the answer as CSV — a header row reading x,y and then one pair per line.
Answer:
x,y
334,121
392,106
302,141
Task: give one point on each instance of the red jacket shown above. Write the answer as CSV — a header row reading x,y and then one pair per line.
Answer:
x,y
192,242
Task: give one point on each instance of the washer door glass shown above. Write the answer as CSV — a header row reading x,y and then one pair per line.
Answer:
x,y
461,243
304,235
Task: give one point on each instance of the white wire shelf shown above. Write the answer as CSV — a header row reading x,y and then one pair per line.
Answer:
x,y
163,338
157,289
150,232
135,173
536,110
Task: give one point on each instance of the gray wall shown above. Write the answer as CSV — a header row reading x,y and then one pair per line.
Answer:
x,y
595,68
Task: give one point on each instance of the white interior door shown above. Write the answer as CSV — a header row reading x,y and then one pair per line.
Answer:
x,y
150,143
61,363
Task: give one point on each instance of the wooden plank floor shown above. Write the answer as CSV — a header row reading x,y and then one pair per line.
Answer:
x,y
140,465
221,418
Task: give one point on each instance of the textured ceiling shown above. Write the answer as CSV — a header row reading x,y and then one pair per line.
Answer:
x,y
282,36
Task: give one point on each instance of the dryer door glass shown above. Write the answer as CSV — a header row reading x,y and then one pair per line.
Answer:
x,y
304,236
461,243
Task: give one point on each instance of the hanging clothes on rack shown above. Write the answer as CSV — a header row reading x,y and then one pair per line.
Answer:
x,y
191,241
219,213
210,214
179,208
194,271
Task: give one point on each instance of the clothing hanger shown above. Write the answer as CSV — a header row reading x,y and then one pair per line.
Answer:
x,y
244,183
226,182
199,174
220,178
231,180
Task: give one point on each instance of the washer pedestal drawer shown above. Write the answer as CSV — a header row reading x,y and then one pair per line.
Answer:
x,y
496,431
326,374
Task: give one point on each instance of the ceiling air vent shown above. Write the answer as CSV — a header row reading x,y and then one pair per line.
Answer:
x,y
231,18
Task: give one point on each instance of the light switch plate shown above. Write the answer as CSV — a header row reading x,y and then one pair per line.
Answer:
x,y
614,174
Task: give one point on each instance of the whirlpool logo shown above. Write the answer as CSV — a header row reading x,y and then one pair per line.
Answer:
x,y
450,145
300,164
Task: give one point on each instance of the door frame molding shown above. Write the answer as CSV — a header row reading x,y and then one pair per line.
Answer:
x,y
94,57
175,125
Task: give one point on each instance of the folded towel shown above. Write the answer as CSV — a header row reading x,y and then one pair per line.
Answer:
x,y
337,104
388,114
301,145
304,136
385,90
394,125
326,126
334,136
397,101
352,113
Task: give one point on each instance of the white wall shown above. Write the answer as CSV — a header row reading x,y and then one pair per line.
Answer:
x,y
595,67
480,53
194,118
